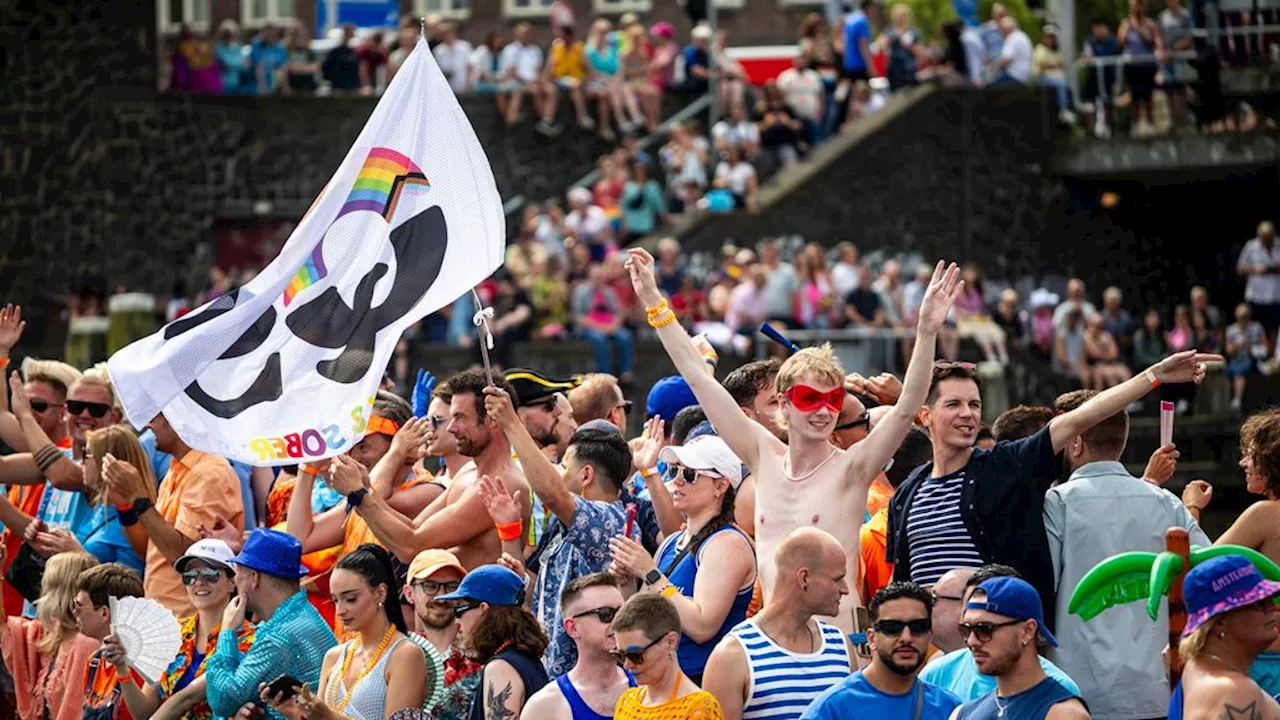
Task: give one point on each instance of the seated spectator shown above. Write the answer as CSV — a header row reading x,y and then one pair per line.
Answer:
x,y
684,159
1102,354
181,692
598,316
302,69
372,55
231,60
738,176
38,651
731,82
550,296
501,634
268,56
453,55
1202,333
662,69
736,131
1050,70
486,65
341,67
1182,336
713,571
642,204
1076,300
781,132
1149,341
525,259
904,45
973,320
605,82
667,266
589,225
647,630
107,673
891,290
1246,347
366,590
697,62
290,637
195,67
1068,354
520,73
606,192
635,73
863,102
689,303
802,88
1115,319
406,40
567,70
512,321
815,299
862,306
1013,67
1009,318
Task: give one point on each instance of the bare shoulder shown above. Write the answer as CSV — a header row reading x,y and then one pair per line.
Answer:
x,y
727,655
408,656
1071,709
548,702
1228,696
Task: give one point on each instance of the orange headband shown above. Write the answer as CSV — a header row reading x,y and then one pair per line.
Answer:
x,y
381,425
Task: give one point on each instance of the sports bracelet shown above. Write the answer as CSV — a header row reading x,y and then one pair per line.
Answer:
x,y
669,591
662,320
509,531
1151,378
657,309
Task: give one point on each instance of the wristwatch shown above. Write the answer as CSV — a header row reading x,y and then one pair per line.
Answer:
x,y
653,577
357,497
129,516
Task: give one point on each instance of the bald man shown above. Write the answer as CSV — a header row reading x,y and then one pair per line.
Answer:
x,y
745,672
948,604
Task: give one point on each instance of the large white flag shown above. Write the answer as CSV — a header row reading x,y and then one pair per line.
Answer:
x,y
284,369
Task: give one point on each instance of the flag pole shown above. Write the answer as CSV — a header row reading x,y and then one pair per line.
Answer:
x,y
481,320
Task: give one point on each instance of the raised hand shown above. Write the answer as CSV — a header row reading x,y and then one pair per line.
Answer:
x,y
1162,465
124,482
630,557
498,407
1186,366
347,475
114,653
224,531
410,441
11,327
504,508
422,388
19,403
941,294
1197,494
515,565
639,265
653,440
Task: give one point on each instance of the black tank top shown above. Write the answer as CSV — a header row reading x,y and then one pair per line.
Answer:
x,y
531,672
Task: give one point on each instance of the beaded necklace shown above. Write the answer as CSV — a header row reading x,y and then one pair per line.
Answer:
x,y
340,705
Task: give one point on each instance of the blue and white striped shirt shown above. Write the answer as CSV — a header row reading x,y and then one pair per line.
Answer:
x,y
783,683
936,534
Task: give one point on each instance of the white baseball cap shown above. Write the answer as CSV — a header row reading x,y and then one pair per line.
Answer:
x,y
211,550
706,452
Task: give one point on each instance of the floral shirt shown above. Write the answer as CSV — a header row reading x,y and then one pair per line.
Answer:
x,y
461,680
182,663
565,554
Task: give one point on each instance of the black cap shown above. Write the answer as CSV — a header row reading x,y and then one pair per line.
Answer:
x,y
532,386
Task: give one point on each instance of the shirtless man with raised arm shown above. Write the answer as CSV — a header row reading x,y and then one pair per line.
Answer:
x,y
456,521
808,481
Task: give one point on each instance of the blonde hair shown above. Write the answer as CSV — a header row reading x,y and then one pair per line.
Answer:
x,y
58,375
818,361
120,442
1192,646
57,600
97,376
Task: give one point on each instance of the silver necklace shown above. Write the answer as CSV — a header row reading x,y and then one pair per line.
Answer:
x,y
999,707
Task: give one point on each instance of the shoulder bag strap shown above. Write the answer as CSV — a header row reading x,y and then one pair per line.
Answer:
x,y
919,697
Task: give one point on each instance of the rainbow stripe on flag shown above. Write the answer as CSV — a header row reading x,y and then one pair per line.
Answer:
x,y
384,175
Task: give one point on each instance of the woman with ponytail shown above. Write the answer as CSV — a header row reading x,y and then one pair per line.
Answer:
x,y
708,569
380,671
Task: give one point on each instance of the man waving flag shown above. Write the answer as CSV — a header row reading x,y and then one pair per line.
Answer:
x,y
284,369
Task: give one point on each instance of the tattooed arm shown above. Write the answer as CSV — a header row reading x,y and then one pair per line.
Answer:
x,y
1229,696
503,691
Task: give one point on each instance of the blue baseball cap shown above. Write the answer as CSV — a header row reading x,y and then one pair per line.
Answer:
x,y
272,552
669,396
494,584
1221,585
1013,598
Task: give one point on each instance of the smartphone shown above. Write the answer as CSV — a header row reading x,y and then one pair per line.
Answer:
x,y
861,622
285,686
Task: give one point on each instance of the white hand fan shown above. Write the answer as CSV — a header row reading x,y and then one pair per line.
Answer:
x,y
149,633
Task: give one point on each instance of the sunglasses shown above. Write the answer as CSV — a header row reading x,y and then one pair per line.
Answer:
x,y
635,657
983,631
605,614
864,420
41,406
209,575
463,608
626,406
431,587
97,410
690,476
893,628
807,400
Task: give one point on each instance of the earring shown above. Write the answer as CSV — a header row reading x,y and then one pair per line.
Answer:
x,y
1024,643
1222,635
379,604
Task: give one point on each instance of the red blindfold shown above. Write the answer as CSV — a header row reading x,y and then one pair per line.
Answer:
x,y
807,400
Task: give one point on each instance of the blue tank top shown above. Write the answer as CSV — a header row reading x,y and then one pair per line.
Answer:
x,y
693,655
531,673
1175,703
1030,704
579,709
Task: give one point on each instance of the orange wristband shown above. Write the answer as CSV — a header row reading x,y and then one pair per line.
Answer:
x,y
1151,378
510,531
4,362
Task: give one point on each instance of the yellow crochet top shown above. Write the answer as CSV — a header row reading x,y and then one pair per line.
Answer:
x,y
700,705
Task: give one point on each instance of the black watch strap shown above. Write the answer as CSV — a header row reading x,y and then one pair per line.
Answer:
x,y
130,516
357,497
652,577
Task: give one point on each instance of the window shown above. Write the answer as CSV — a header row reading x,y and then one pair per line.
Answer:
x,y
171,14
254,13
527,8
622,6
447,9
